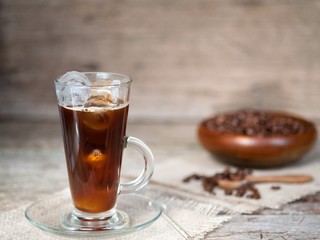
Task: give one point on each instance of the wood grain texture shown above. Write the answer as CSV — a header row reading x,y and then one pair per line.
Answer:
x,y
270,227
189,59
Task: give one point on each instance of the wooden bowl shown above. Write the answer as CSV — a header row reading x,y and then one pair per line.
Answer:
x,y
258,151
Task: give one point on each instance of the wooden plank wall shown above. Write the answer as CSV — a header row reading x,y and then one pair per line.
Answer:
x,y
189,59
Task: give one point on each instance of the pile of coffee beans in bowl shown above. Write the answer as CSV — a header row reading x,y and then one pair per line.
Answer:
x,y
257,138
256,123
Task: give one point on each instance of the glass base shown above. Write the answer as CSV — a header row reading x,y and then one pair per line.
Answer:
x,y
57,215
74,222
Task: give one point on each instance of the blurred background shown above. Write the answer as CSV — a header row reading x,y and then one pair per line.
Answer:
x,y
189,59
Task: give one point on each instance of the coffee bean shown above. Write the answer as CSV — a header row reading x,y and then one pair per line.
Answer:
x,y
275,187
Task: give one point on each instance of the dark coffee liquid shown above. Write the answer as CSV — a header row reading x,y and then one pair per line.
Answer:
x,y
93,142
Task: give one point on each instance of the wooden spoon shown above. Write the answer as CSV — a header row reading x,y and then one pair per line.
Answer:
x,y
228,184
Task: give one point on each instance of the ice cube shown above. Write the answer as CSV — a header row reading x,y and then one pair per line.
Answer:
x,y
74,89
74,78
75,96
97,120
100,101
96,158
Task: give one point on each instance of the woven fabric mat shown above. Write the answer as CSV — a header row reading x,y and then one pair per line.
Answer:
x,y
190,212
204,164
181,220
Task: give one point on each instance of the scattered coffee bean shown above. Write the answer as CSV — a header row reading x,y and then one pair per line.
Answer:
x,y
209,183
275,188
241,191
228,192
194,176
254,192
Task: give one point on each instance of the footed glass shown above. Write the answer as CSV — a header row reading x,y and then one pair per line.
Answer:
x,y
93,108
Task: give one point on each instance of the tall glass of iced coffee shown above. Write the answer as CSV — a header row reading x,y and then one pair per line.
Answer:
x,y
93,109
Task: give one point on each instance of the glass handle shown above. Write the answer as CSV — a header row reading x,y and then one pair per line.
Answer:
x,y
143,179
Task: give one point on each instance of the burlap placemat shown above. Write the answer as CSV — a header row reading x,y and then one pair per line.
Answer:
x,y
191,212
169,175
177,222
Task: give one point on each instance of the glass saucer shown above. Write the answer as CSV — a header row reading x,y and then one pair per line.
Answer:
x,y
48,214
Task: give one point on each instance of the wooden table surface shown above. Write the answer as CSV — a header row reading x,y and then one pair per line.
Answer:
x,y
33,167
